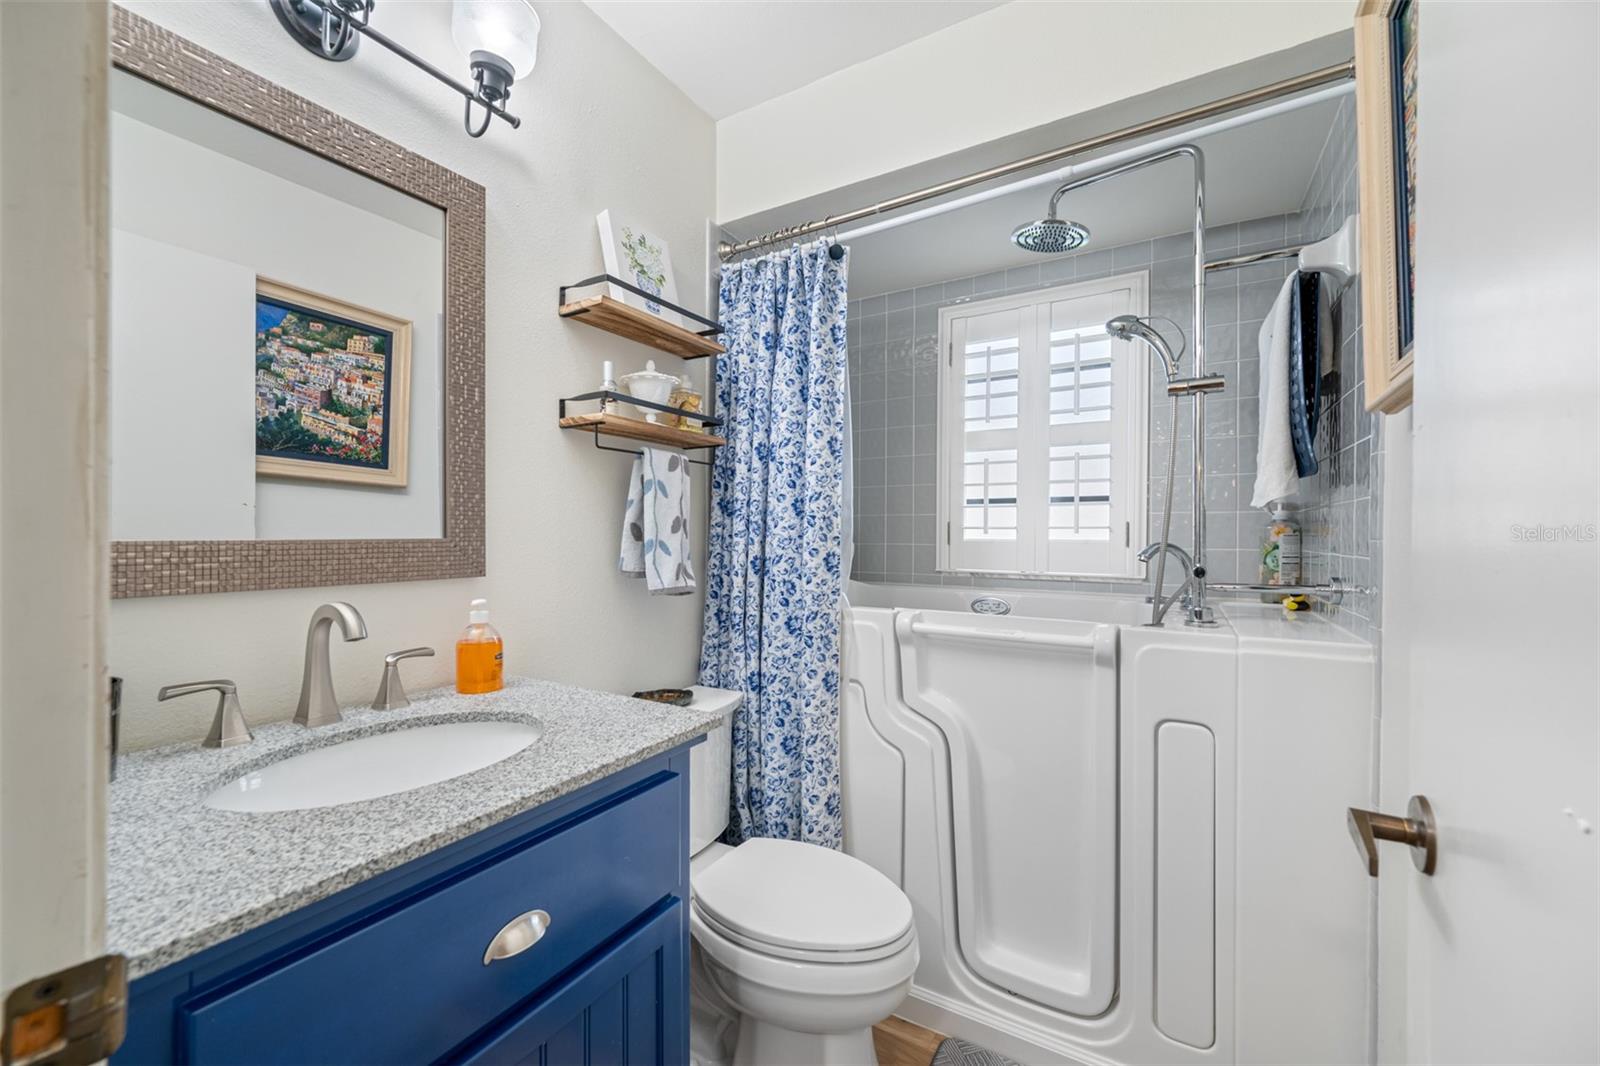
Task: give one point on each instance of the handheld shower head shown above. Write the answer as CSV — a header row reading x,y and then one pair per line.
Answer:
x,y
1132,327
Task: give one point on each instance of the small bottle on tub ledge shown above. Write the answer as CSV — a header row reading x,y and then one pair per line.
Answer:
x,y
480,654
1280,557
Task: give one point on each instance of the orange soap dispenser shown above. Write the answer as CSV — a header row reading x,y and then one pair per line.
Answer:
x,y
480,654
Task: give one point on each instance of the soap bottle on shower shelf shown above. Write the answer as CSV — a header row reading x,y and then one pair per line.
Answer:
x,y
480,654
1280,552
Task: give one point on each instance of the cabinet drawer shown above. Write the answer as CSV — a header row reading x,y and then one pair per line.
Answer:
x,y
405,984
626,1008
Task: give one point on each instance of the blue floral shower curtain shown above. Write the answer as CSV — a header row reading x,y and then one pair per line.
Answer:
x,y
773,568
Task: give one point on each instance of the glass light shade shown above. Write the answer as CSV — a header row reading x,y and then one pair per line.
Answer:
x,y
505,28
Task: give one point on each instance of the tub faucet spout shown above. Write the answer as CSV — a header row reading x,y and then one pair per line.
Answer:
x,y
1191,590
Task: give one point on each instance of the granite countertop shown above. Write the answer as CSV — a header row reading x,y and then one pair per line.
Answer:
x,y
182,877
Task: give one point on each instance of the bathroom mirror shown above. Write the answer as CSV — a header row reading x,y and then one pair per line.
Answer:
x,y
296,338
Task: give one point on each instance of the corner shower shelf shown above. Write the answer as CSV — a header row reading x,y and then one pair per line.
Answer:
x,y
614,316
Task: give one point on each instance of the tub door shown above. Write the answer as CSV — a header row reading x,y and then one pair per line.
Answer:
x,y
1028,709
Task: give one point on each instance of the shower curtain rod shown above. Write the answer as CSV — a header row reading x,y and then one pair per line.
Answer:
x,y
1287,87
1097,164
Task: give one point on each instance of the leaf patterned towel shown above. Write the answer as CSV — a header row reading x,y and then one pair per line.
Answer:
x,y
655,526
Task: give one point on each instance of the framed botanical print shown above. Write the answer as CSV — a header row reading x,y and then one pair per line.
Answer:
x,y
332,388
1386,127
638,256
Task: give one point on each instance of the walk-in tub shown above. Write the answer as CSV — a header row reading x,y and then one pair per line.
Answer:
x,y
1122,843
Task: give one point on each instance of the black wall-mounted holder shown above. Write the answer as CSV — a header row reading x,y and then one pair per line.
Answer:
x,y
606,395
712,328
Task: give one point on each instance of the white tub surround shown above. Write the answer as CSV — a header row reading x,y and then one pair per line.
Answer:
x,y
182,876
1122,843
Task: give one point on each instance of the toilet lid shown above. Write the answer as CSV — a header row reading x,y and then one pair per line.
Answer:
x,y
795,895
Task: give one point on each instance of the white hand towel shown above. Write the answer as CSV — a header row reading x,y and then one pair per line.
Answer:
x,y
655,524
1276,475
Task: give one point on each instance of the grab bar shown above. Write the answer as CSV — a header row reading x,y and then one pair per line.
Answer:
x,y
1009,636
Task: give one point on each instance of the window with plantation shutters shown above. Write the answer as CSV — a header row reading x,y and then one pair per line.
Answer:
x,y
1042,434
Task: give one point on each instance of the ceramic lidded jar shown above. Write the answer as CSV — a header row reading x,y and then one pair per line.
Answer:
x,y
650,386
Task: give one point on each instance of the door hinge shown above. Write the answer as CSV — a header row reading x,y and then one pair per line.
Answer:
x,y
950,353
74,1016
1127,534
947,534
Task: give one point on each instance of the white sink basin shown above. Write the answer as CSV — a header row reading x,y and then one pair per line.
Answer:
x,y
373,766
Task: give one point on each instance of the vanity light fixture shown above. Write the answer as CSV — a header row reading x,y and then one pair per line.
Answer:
x,y
500,39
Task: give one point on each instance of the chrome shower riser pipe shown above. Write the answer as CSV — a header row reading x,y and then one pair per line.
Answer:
x,y
1199,611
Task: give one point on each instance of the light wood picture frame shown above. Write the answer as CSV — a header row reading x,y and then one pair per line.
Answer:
x,y
1386,116
330,414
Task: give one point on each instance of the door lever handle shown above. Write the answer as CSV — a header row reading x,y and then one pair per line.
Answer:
x,y
1417,829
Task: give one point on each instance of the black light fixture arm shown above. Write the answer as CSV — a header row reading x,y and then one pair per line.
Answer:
x,y
331,28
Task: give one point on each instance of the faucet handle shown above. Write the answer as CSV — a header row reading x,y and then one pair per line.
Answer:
x,y
228,728
391,693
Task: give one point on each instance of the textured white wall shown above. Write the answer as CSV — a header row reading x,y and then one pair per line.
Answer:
x,y
601,128
1019,66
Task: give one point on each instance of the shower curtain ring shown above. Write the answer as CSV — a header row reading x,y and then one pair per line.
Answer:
x,y
835,249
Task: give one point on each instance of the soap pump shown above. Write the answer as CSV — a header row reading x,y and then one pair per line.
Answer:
x,y
480,654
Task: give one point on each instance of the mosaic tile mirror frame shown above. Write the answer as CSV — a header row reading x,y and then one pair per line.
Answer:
x,y
192,567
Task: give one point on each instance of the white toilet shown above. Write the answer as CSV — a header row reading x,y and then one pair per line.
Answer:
x,y
804,948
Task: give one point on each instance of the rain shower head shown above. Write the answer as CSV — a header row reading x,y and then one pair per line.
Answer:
x,y
1050,235
1132,327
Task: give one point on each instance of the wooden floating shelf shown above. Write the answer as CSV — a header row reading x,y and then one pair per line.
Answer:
x,y
638,429
614,316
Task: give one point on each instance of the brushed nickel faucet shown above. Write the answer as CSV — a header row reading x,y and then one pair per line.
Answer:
x,y
391,693
318,705
228,727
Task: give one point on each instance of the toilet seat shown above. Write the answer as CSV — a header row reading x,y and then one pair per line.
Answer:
x,y
800,901
781,951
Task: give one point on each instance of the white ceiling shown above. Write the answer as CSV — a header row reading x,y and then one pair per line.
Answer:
x,y
1253,171
731,56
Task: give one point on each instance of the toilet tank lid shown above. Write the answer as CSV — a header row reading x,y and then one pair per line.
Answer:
x,y
796,895
725,700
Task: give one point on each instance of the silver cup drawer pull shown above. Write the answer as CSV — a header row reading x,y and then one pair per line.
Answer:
x,y
517,936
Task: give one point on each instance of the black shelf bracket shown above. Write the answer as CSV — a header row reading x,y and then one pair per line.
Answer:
x,y
635,451
711,330
709,421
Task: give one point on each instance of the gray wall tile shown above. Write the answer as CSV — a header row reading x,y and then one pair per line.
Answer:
x,y
894,390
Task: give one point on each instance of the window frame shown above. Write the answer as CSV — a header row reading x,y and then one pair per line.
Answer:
x,y
1032,543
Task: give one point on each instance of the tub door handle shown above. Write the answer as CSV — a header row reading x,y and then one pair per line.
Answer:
x,y
1417,830
1006,636
517,936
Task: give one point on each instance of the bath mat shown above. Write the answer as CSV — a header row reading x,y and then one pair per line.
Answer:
x,y
953,1052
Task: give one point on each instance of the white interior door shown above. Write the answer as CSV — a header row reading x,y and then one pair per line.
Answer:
x,y
53,560
1494,637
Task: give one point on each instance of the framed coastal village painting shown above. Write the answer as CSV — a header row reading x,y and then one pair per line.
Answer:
x,y
333,389
1386,131
641,259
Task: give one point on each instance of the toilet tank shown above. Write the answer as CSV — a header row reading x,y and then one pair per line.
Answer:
x,y
711,769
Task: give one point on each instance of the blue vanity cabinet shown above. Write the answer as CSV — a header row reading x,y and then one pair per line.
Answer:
x,y
597,1018
392,969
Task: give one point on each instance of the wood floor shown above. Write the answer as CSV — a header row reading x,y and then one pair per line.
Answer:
x,y
902,1043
